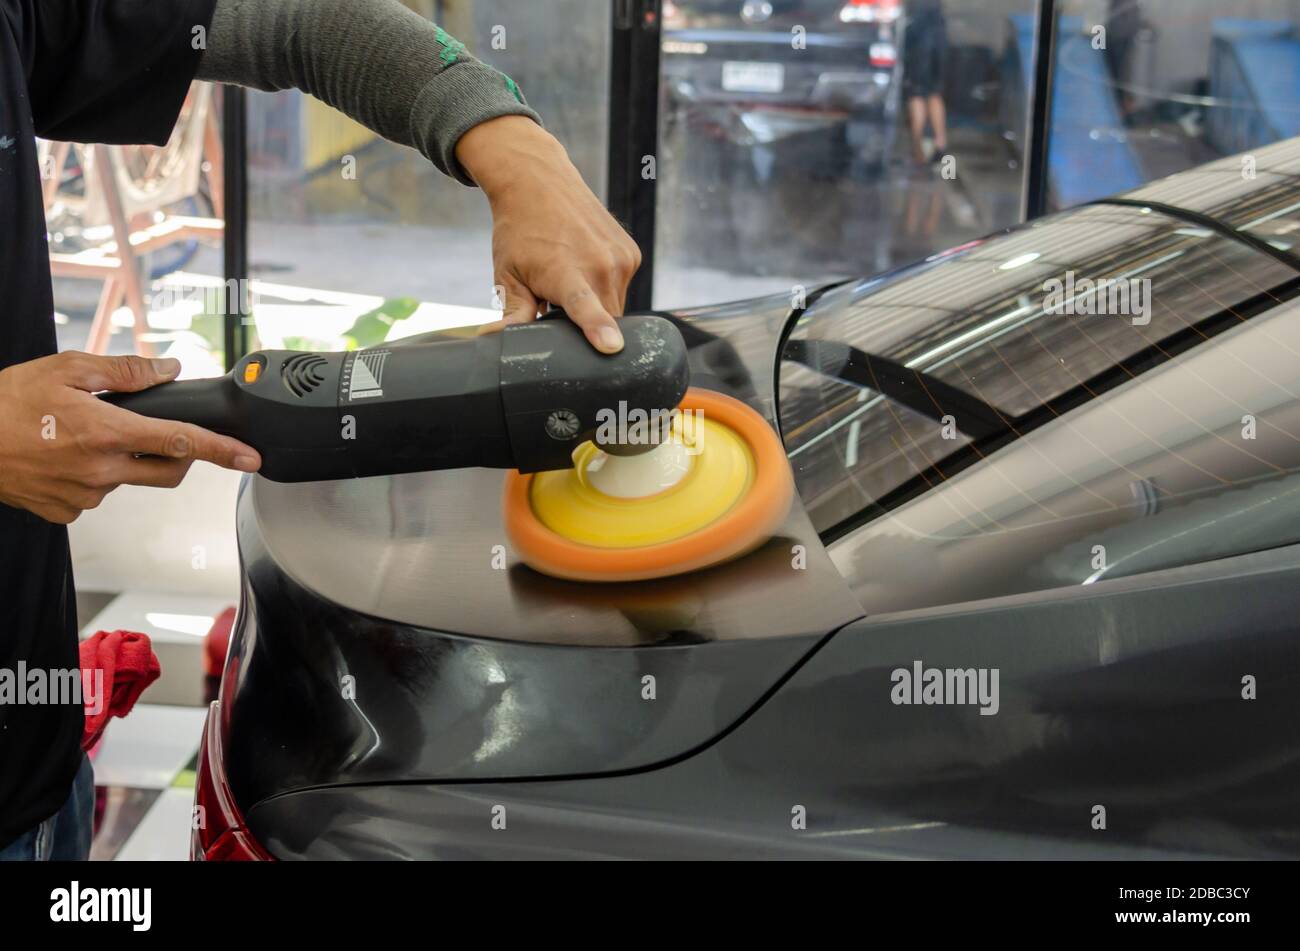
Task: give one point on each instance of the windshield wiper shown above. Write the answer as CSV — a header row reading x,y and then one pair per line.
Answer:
x,y
918,391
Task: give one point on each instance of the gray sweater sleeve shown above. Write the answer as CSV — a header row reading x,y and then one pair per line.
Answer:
x,y
374,60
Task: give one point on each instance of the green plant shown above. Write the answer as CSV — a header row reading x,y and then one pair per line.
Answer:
x,y
371,329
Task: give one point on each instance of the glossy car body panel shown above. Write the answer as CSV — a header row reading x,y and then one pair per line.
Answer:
x,y
1127,697
978,320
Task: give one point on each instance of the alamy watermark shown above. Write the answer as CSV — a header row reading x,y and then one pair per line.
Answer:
x,y
78,903
37,686
946,686
234,296
1103,297
622,426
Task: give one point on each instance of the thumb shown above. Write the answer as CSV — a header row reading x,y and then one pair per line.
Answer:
x,y
127,374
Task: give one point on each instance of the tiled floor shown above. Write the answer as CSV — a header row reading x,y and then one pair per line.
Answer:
x,y
144,764
148,748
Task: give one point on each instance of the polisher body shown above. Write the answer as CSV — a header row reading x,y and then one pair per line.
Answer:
x,y
521,399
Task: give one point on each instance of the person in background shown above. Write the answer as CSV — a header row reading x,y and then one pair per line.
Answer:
x,y
1123,23
925,45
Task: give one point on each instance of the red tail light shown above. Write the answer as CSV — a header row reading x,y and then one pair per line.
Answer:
x,y
218,830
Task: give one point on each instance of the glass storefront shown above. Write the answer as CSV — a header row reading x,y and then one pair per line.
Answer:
x,y
354,240
164,204
1146,88
789,150
799,140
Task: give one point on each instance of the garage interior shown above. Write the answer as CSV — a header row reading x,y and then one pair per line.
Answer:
x,y
340,240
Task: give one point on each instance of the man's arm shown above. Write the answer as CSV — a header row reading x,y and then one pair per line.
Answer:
x,y
115,70
409,81
373,60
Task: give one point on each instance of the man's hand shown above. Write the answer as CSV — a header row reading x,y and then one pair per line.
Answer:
x,y
552,240
62,450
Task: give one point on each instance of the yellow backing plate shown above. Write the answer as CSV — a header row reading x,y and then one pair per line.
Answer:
x,y
720,474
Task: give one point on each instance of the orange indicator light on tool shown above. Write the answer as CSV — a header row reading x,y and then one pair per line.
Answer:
x,y
252,371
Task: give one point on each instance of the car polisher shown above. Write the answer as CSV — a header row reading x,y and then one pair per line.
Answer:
x,y
618,470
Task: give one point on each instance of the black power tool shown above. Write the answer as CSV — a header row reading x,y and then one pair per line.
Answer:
x,y
523,399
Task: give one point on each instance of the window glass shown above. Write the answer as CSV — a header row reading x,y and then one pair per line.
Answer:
x,y
890,388
786,148
1195,461
355,240
159,298
1253,192
1145,88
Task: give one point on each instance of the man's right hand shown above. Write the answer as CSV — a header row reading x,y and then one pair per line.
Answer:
x,y
62,449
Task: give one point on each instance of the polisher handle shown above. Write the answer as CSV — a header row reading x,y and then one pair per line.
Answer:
x,y
212,404
284,404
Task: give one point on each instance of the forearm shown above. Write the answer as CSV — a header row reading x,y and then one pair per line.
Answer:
x,y
374,60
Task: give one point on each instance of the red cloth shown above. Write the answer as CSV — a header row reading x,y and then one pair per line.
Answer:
x,y
129,665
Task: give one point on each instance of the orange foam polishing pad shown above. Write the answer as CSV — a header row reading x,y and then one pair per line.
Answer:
x,y
734,495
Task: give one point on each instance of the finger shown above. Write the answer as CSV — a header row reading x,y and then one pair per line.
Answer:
x,y
125,374
585,309
184,441
154,473
616,278
122,469
85,498
634,266
521,305
612,289
611,299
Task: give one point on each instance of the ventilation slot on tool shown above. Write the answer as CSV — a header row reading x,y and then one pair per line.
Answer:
x,y
303,373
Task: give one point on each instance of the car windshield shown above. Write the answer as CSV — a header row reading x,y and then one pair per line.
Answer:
x,y
890,387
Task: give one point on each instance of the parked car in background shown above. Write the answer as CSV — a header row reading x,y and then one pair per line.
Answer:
x,y
760,72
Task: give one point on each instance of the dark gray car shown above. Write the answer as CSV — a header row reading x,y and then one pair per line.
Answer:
x,y
1040,595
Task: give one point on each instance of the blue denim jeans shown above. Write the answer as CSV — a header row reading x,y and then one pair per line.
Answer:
x,y
64,836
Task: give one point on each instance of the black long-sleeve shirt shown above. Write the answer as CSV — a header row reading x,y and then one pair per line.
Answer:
x,y
117,71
